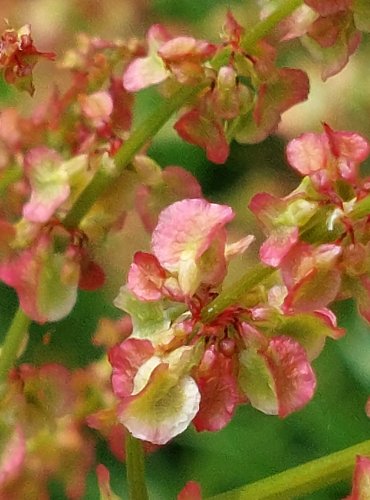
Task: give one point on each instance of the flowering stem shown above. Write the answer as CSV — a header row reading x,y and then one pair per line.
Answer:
x,y
147,130
143,134
135,467
303,479
13,342
264,27
233,293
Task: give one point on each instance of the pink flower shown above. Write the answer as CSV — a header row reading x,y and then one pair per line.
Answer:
x,y
160,188
281,218
204,131
277,378
332,31
181,57
126,358
175,369
146,277
312,276
218,389
163,409
189,240
50,179
185,55
49,184
18,57
97,107
329,156
149,70
158,399
45,281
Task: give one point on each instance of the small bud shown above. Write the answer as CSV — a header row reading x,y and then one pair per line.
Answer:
x,y
227,347
226,79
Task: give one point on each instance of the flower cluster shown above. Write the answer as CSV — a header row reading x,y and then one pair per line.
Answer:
x,y
192,349
317,235
330,30
244,92
48,159
48,440
18,56
46,417
176,367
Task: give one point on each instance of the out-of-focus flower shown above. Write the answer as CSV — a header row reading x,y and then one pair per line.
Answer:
x,y
18,56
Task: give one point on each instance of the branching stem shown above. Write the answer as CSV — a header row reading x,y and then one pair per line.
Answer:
x,y
284,9
303,479
256,275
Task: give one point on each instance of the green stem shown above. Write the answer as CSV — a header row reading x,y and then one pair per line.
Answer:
x,y
264,27
303,479
141,136
13,342
232,294
135,467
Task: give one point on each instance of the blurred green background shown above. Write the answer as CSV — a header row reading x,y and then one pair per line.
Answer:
x,y
253,446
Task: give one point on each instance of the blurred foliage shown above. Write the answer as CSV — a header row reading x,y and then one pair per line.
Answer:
x,y
188,9
253,445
